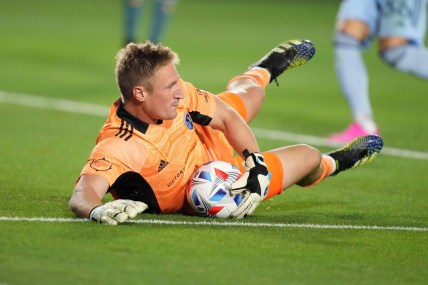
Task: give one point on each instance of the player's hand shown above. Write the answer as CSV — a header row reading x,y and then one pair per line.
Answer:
x,y
248,205
253,184
118,211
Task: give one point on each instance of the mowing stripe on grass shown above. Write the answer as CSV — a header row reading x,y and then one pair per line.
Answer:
x,y
226,224
99,110
53,104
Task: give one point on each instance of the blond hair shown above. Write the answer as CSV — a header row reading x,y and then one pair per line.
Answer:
x,y
137,63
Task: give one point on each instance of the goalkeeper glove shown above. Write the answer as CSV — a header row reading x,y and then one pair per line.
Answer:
x,y
117,211
254,184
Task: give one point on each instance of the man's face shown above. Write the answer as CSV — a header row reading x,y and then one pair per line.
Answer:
x,y
162,102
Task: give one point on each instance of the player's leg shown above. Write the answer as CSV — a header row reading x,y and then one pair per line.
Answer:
x,y
132,12
402,36
306,166
356,23
162,11
291,164
245,93
408,58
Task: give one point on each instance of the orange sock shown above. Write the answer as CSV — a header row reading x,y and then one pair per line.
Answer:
x,y
329,164
260,75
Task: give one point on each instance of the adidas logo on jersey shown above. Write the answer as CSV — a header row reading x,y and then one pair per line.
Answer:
x,y
126,129
162,165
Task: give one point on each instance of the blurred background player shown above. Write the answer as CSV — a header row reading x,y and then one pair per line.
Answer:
x,y
161,14
400,27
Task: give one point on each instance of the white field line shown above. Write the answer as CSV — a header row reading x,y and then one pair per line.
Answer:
x,y
99,110
224,224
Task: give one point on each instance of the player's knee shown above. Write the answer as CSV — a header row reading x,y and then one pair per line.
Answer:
x,y
397,58
311,156
343,40
355,28
407,58
392,55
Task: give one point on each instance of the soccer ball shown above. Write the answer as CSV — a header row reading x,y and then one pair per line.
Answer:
x,y
208,190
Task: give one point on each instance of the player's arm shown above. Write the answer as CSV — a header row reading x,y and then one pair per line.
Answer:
x,y
236,130
86,202
87,194
255,181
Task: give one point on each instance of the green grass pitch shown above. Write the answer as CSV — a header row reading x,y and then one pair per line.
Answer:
x,y
64,50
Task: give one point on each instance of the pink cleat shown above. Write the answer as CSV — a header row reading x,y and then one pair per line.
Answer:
x,y
351,132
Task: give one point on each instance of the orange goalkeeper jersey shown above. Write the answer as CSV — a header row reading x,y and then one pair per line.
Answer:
x,y
165,154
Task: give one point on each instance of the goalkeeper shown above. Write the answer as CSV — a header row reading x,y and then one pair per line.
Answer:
x,y
162,129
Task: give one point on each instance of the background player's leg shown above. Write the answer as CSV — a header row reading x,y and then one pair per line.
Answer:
x,y
408,58
162,11
402,36
132,11
352,76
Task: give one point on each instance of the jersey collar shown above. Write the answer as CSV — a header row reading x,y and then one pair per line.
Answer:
x,y
134,121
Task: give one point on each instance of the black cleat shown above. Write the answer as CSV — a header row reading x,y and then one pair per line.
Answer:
x,y
357,153
286,56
